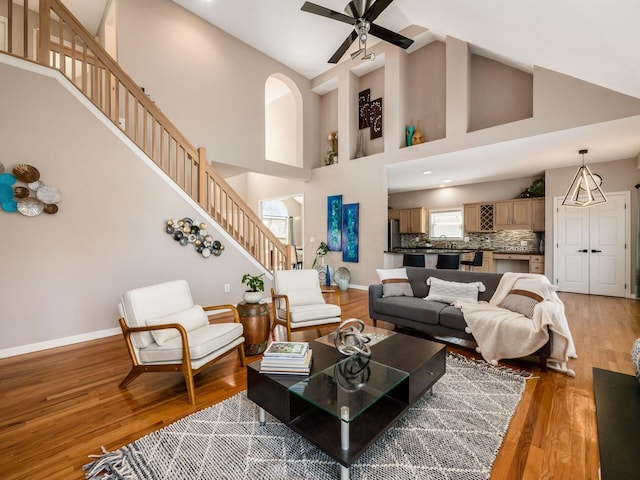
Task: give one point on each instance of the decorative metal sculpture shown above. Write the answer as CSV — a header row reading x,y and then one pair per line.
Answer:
x,y
30,199
186,231
349,339
353,373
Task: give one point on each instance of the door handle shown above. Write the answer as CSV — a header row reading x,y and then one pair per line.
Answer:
x,y
596,251
583,251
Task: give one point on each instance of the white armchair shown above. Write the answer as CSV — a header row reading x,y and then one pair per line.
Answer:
x,y
165,332
298,301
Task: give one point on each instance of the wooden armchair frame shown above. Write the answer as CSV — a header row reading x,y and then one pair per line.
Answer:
x,y
287,322
185,367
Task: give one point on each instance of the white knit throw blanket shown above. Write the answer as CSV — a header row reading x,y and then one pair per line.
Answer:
x,y
501,333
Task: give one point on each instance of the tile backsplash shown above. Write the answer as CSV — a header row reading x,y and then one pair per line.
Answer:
x,y
503,240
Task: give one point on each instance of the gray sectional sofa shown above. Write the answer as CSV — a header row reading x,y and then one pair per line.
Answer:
x,y
436,319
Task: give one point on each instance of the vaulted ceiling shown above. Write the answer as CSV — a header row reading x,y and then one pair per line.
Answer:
x,y
595,41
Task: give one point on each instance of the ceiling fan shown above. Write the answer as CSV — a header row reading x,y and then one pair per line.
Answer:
x,y
360,14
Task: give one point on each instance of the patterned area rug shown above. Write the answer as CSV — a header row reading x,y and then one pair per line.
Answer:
x,y
454,435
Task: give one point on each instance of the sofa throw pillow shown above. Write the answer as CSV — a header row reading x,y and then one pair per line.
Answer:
x,y
526,294
521,301
191,318
450,292
395,282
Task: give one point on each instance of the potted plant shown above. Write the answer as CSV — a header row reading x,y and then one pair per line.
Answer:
x,y
320,253
256,287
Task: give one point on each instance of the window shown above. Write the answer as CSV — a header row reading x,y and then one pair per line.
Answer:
x,y
274,216
446,222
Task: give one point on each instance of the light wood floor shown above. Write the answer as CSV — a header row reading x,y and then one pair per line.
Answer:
x,y
61,405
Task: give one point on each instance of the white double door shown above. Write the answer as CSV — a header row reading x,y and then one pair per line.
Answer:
x,y
591,247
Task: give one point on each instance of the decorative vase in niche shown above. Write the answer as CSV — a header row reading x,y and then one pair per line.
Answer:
x,y
635,358
252,297
418,137
409,134
361,151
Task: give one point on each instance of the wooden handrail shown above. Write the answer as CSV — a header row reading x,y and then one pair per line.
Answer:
x,y
65,45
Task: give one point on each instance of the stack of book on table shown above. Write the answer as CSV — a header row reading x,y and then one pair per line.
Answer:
x,y
287,358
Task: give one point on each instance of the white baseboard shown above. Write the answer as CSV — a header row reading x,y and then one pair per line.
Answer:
x,y
58,342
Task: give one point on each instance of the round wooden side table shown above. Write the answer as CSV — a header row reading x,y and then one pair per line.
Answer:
x,y
256,322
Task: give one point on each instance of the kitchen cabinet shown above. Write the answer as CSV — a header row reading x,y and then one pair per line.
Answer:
x,y
393,214
518,262
513,215
536,264
537,214
478,217
412,220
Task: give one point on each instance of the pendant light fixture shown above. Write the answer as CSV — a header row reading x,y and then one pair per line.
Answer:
x,y
585,189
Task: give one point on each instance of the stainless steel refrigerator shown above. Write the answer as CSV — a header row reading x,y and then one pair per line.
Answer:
x,y
393,235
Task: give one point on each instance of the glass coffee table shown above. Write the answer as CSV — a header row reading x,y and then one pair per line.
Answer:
x,y
347,403
341,394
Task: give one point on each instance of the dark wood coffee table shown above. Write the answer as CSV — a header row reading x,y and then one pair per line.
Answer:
x,y
420,362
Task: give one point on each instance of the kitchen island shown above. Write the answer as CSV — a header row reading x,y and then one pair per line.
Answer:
x,y
495,261
395,259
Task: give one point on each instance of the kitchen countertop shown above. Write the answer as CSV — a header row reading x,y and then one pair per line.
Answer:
x,y
426,251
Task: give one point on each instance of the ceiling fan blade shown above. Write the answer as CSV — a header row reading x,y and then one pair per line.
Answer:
x,y
376,9
325,12
389,36
344,47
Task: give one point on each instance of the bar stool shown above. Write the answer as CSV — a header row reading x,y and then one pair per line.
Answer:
x,y
413,260
476,262
448,261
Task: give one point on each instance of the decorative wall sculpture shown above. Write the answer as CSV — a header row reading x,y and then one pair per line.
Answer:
x,y
185,231
376,118
350,225
364,98
334,223
31,196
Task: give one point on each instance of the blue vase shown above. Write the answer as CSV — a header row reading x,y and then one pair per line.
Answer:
x,y
328,277
410,130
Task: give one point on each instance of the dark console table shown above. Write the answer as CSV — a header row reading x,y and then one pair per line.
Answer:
x,y
618,416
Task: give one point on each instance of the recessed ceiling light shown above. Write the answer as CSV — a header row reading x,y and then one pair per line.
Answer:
x,y
426,172
446,181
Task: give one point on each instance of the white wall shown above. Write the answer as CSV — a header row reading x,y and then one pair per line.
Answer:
x,y
63,274
209,84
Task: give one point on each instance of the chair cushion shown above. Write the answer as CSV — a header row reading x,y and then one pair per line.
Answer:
x,y
305,296
411,308
305,313
202,341
140,304
395,282
190,319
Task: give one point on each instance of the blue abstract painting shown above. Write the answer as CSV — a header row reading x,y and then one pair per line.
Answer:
x,y
334,223
350,224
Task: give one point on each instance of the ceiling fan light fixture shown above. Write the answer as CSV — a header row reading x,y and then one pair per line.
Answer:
x,y
356,53
584,190
368,57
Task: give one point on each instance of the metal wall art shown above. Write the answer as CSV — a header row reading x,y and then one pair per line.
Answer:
x,y
22,191
185,231
350,226
334,223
